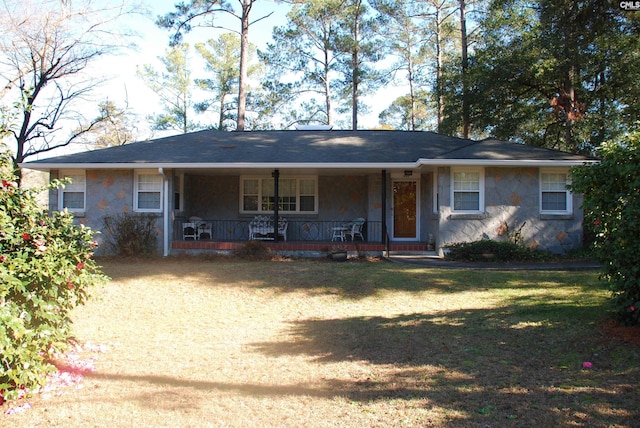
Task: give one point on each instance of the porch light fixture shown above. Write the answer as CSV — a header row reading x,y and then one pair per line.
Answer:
x,y
408,173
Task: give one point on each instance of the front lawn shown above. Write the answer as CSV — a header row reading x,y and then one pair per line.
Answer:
x,y
197,342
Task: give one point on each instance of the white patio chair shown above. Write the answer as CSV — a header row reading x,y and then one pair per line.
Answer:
x,y
189,231
355,229
204,231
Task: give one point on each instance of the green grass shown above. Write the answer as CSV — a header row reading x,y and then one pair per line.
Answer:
x,y
198,342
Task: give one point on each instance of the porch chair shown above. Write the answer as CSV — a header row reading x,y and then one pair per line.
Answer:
x,y
355,229
189,231
204,231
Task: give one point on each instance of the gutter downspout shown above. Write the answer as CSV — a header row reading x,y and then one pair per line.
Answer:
x,y
165,216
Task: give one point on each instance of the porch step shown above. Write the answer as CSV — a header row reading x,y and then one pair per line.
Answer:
x,y
408,255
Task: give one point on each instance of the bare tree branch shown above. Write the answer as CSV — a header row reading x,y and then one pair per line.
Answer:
x,y
46,48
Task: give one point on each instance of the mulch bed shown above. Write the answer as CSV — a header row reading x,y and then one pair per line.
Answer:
x,y
628,334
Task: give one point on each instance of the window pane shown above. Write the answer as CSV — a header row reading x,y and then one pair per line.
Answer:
x,y
148,183
250,203
73,200
267,203
307,203
466,201
554,182
466,181
554,201
287,188
307,187
148,200
267,187
250,187
287,203
77,183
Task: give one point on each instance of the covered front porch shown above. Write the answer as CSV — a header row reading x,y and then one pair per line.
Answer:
x,y
304,237
217,209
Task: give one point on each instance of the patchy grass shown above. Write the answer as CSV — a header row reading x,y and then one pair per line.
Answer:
x,y
197,342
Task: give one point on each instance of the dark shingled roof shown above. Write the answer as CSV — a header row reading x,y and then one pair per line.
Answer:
x,y
315,147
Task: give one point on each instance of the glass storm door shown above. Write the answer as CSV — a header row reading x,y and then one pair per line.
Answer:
x,y
404,209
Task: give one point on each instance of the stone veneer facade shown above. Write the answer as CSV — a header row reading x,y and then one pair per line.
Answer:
x,y
512,197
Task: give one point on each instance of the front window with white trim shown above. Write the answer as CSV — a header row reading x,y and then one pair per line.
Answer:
x,y
295,195
73,195
467,190
555,197
147,194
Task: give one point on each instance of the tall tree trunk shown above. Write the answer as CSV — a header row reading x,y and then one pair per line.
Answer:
x,y
466,125
221,118
244,59
570,109
356,68
412,96
439,85
327,87
354,94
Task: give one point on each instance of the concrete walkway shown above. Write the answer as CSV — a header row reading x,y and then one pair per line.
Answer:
x,y
432,260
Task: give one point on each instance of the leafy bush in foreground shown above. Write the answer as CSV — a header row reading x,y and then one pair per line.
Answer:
x,y
611,205
498,251
45,271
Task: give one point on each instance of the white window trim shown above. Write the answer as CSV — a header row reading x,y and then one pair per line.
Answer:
x,y
481,190
298,178
568,193
67,188
137,174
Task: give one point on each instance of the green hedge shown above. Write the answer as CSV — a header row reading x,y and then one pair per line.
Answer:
x,y
487,250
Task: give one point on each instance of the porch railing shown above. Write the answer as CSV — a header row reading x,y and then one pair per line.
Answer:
x,y
297,230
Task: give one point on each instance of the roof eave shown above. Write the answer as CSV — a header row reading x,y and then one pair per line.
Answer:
x,y
44,166
506,162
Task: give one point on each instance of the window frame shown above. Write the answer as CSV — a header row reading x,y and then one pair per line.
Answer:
x,y
260,178
137,191
480,191
73,187
568,195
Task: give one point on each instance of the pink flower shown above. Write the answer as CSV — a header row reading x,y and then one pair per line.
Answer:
x,y
587,365
597,222
70,286
26,236
40,245
633,308
79,266
2,259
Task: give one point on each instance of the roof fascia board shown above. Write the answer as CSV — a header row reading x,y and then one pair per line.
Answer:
x,y
243,165
337,165
503,162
